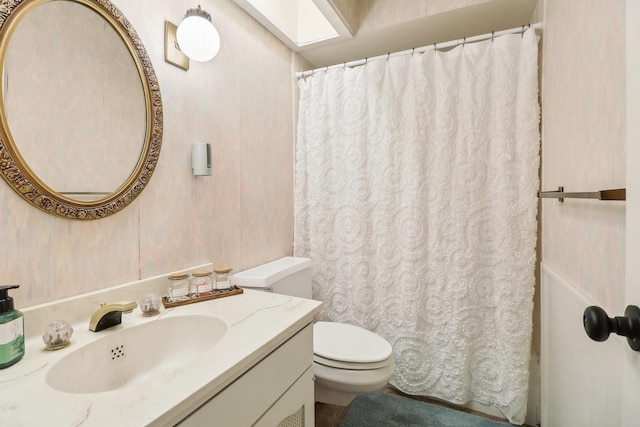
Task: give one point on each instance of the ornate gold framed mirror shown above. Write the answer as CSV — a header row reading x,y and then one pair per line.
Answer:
x,y
80,107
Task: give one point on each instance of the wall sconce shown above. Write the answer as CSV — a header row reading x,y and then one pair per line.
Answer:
x,y
195,38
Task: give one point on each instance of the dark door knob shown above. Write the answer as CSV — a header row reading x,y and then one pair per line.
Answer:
x,y
598,325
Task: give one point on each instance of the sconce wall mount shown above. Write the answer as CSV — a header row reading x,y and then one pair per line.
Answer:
x,y
172,54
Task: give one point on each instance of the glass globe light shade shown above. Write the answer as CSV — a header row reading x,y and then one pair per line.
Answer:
x,y
197,37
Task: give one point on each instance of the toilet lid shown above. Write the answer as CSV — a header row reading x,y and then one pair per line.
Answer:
x,y
349,343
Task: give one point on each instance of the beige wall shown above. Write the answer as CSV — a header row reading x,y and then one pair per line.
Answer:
x,y
583,144
241,103
583,149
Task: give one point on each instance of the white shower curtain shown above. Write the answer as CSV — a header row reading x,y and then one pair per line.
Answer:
x,y
415,196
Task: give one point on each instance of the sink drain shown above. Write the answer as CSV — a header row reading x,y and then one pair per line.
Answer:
x,y
117,352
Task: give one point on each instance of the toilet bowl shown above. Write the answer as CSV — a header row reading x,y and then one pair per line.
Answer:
x,y
347,359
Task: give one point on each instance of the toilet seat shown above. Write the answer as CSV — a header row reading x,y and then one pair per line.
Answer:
x,y
345,346
338,364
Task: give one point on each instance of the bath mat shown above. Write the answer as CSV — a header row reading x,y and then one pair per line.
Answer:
x,y
389,410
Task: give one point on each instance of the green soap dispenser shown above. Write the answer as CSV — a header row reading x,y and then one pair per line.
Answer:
x,y
11,329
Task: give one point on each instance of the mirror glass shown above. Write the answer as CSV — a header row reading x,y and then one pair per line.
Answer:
x,y
73,100
80,110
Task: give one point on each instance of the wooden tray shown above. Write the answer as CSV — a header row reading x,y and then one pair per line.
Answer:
x,y
234,290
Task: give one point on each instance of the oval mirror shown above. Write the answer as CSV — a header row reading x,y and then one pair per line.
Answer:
x,y
80,112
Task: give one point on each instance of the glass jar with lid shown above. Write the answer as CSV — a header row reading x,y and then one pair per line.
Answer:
x,y
223,278
201,283
179,287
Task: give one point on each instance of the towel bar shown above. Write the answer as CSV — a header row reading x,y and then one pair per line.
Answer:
x,y
615,194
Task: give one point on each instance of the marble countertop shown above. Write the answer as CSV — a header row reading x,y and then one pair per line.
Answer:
x,y
257,323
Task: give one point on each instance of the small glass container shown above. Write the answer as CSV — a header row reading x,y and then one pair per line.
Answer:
x,y
57,334
149,305
223,278
201,284
179,287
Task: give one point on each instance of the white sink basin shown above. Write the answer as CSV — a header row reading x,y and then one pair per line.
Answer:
x,y
132,354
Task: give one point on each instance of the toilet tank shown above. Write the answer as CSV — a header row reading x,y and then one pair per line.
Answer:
x,y
287,276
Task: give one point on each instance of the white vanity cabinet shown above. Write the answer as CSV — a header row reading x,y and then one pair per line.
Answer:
x,y
257,374
277,391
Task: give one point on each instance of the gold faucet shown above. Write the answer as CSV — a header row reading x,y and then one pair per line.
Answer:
x,y
109,315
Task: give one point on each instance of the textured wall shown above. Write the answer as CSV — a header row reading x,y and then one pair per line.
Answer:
x,y
583,149
241,103
583,146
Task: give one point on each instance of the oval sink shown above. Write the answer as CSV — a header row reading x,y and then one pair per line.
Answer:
x,y
131,355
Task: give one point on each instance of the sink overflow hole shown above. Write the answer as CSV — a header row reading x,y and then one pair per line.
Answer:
x,y
117,352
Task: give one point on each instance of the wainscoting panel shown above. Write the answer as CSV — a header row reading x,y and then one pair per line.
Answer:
x,y
581,378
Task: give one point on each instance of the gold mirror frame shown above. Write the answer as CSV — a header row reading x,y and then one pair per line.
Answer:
x,y
19,175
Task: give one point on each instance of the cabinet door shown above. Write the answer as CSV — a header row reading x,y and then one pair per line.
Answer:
x,y
246,399
295,408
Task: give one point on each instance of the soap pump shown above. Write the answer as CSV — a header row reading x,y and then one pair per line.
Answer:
x,y
11,329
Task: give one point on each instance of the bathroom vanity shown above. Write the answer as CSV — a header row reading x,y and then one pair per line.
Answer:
x,y
237,361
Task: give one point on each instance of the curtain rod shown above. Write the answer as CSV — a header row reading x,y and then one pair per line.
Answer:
x,y
423,49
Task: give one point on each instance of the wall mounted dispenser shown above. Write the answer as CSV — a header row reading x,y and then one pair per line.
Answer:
x,y
201,159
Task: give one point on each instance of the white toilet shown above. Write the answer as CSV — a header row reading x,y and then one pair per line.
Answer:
x,y
347,360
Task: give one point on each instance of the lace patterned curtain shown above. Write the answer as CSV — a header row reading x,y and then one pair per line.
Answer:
x,y
415,196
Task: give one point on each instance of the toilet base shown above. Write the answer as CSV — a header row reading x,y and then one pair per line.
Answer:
x,y
341,386
332,397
